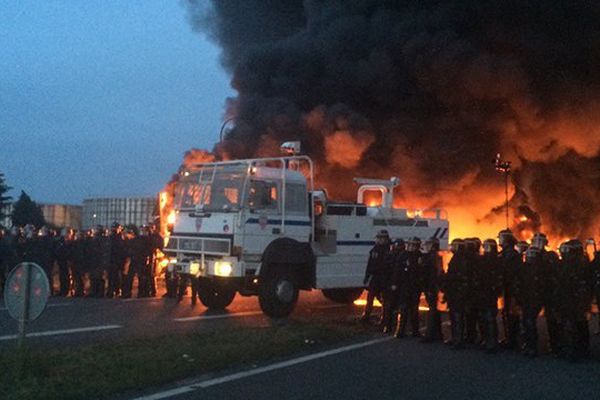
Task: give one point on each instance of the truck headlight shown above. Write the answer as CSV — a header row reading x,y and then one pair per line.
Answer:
x,y
223,268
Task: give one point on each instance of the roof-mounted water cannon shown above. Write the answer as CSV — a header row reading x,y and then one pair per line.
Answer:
x,y
290,148
385,187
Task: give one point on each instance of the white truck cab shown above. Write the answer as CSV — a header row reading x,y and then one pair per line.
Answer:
x,y
258,227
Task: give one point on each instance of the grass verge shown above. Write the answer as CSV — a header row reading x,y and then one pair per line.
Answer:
x,y
101,370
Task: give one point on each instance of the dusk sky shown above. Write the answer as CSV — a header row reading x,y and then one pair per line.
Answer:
x,y
103,98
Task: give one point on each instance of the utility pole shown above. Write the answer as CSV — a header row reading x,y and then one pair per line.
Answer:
x,y
503,166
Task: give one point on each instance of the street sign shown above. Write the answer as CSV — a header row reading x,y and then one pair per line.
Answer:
x,y
26,294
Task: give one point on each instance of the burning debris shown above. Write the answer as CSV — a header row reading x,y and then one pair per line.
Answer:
x,y
429,91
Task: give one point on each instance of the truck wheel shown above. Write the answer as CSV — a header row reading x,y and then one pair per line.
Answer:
x,y
343,296
216,297
278,293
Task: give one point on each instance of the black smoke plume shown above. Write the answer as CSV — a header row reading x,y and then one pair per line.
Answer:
x,y
426,90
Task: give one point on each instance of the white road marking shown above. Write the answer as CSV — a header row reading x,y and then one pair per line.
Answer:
x,y
64,331
167,393
219,316
261,370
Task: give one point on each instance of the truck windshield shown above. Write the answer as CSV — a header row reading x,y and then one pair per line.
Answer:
x,y
214,188
187,193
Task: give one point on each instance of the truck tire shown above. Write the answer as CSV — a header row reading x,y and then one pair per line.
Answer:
x,y
216,297
278,293
343,296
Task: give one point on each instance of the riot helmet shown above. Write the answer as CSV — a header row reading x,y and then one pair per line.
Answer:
x,y
414,244
506,239
539,240
490,246
532,254
457,245
432,244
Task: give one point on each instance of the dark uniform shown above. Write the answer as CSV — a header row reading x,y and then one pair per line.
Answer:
x,y
117,262
408,278
575,291
99,260
551,299
42,253
377,274
511,261
79,261
456,290
529,294
595,270
63,247
487,285
5,256
137,250
472,310
157,243
431,267
396,259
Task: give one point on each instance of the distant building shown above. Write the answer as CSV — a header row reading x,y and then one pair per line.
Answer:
x,y
62,215
7,221
124,210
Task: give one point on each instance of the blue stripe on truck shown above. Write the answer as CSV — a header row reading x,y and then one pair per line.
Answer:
x,y
278,222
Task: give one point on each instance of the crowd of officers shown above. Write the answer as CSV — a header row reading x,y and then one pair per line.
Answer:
x,y
526,278
94,263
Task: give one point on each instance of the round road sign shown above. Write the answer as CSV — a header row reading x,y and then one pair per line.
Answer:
x,y
26,291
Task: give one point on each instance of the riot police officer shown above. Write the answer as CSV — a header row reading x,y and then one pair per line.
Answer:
x,y
472,310
550,295
100,261
456,291
409,289
576,294
377,273
63,247
487,283
431,267
117,260
511,262
156,244
42,254
79,262
397,259
528,293
4,258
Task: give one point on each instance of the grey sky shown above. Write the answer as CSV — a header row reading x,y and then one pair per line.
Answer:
x,y
101,98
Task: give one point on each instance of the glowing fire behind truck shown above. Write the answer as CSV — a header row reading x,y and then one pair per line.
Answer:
x,y
258,227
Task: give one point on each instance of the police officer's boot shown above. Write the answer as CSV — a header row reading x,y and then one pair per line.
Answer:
x,y
391,322
402,323
458,330
582,342
433,331
511,330
366,317
414,322
491,332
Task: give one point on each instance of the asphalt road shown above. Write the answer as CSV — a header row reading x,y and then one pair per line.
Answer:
x,y
384,369
407,369
72,321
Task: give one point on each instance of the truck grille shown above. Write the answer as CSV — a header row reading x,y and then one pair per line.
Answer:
x,y
196,245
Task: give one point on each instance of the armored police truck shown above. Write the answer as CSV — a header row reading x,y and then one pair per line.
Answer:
x,y
258,227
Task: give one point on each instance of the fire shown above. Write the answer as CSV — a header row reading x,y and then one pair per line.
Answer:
x,y
171,218
372,198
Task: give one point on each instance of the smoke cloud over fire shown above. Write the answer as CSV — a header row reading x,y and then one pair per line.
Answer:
x,y
428,91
